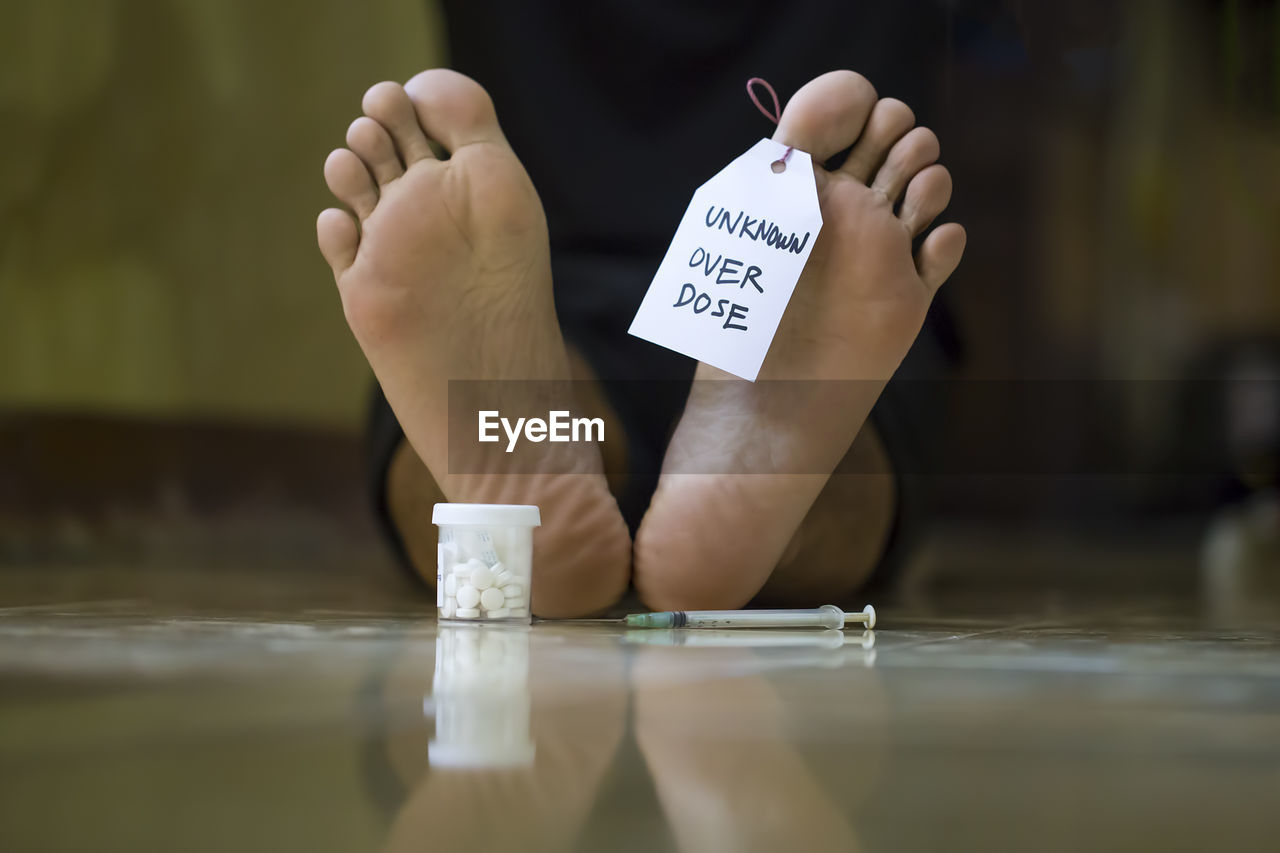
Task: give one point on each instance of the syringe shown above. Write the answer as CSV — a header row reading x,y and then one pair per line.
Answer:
x,y
826,616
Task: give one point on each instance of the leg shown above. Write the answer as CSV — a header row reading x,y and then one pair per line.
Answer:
x,y
444,273
749,460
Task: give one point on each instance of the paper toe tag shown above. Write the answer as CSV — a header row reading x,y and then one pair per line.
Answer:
x,y
720,292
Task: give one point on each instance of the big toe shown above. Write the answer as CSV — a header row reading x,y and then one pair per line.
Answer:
x,y
453,109
827,115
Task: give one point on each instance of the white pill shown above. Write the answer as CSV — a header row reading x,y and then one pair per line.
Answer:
x,y
518,611
462,570
500,613
451,585
492,599
468,597
482,578
513,590
449,608
467,613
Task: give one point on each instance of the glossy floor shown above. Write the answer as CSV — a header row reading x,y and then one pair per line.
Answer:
x,y
1026,725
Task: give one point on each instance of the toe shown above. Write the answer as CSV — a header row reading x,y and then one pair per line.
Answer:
x,y
453,109
827,114
339,238
913,152
372,143
349,179
940,254
388,104
890,120
928,194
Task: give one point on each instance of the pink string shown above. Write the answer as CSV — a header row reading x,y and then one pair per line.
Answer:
x,y
776,115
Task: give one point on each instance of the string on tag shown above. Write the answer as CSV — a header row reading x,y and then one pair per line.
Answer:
x,y
779,165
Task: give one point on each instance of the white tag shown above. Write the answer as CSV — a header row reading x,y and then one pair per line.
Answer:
x,y
720,292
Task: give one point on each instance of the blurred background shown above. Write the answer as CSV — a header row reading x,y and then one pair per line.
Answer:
x,y
176,378
178,387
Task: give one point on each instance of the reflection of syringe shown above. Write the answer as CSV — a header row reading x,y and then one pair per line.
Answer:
x,y
750,639
826,616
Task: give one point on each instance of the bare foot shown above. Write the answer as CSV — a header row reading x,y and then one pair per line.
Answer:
x,y
446,275
762,452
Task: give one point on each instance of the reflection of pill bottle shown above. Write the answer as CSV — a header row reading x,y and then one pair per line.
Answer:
x,y
481,698
484,566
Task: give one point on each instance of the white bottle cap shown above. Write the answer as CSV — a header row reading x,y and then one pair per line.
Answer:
x,y
490,515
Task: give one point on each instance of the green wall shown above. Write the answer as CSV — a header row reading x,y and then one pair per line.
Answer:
x,y
160,174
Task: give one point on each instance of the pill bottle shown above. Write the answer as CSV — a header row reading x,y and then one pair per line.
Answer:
x,y
484,568
480,698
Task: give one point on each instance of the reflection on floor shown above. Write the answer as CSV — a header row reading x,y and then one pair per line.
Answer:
x,y
1028,725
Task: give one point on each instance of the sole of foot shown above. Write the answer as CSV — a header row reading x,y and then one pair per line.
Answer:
x,y
443,267
747,461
